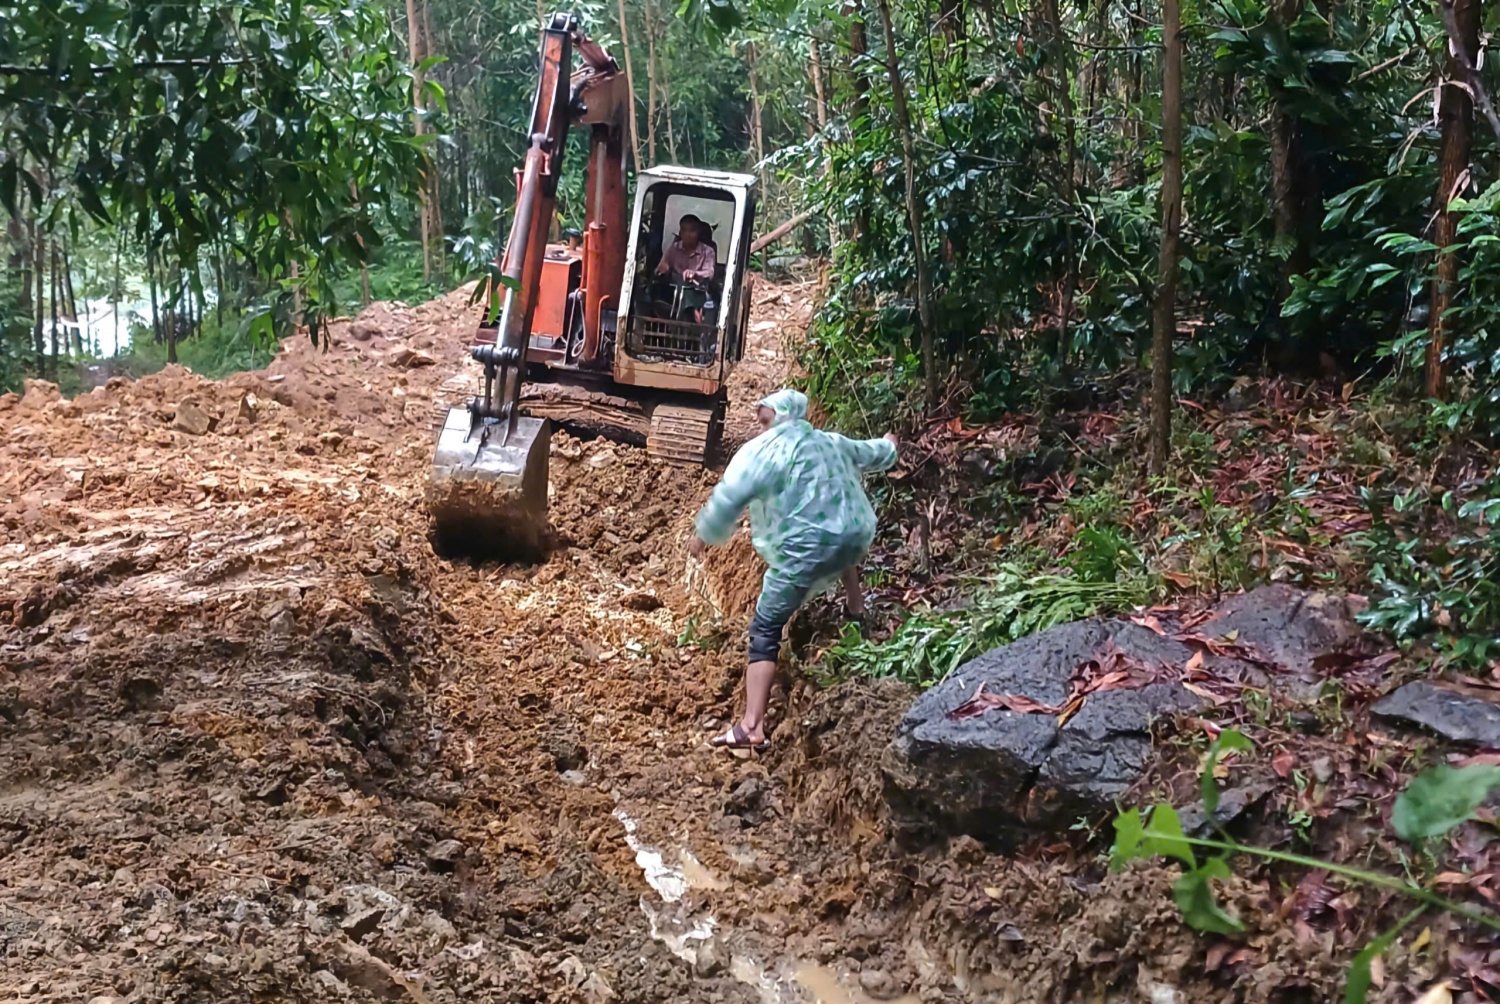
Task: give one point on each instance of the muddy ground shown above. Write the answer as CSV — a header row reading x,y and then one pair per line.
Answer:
x,y
257,742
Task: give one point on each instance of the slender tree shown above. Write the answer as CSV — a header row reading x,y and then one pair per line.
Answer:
x,y
1164,309
913,207
1456,114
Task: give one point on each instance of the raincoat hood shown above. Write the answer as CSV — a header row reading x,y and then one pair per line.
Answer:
x,y
788,405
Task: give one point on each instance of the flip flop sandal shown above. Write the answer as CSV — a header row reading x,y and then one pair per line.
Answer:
x,y
737,740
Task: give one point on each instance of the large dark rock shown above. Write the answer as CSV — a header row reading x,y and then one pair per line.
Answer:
x,y
1456,712
1005,777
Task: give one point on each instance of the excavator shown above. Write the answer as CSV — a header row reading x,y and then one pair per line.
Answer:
x,y
591,333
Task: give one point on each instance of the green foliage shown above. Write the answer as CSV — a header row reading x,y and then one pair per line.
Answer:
x,y
1434,803
1435,565
215,352
1440,799
1007,605
198,130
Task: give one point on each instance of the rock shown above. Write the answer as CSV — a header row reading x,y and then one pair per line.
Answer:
x,y
1287,625
412,358
747,801
37,394
444,855
710,959
641,602
362,330
362,923
359,968
191,419
1458,713
330,982
1003,776
246,413
879,984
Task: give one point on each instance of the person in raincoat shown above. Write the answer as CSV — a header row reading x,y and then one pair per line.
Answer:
x,y
809,521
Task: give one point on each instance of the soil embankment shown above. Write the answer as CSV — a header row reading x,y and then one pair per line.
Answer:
x,y
257,742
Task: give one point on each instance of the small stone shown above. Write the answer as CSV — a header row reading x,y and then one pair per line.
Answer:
x,y
191,419
412,358
363,330
602,459
362,924
574,777
443,855
878,984
710,959
1458,713
247,408
330,982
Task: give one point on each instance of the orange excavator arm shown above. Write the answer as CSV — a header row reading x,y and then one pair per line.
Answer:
x,y
596,95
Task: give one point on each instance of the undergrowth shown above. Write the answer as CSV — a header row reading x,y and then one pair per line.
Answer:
x,y
1011,604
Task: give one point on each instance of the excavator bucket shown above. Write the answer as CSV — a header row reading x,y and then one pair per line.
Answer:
x,y
488,491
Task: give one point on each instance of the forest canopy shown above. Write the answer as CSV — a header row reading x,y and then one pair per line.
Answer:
x,y
987,179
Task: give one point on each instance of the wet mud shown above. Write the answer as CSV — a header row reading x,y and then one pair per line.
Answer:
x,y
259,742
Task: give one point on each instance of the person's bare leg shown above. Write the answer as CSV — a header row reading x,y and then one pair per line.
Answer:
x,y
854,591
758,679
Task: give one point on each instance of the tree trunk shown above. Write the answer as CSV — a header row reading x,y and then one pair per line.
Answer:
x,y
757,137
1290,181
1164,312
951,23
635,135
435,174
1061,57
38,336
859,49
54,287
820,114
156,332
913,207
650,81
71,303
414,50
1456,113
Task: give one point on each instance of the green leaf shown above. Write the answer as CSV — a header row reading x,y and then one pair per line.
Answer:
x,y
1200,908
1229,739
1439,799
1129,833
1164,836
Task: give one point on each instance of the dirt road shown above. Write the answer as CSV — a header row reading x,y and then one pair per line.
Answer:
x,y
258,743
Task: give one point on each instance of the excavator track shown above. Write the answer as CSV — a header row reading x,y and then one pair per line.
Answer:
x,y
681,434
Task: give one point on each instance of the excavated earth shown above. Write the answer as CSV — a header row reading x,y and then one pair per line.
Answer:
x,y
259,743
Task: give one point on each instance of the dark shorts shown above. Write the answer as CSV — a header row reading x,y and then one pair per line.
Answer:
x,y
781,596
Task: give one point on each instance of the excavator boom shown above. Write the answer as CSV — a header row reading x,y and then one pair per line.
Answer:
x,y
488,486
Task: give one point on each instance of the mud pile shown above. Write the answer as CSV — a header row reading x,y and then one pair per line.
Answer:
x,y
258,742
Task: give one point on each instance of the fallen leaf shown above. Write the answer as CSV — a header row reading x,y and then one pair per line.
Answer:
x,y
994,892
1195,663
1439,994
1283,763
1423,940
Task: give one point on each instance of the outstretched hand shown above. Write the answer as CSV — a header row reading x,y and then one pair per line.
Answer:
x,y
893,439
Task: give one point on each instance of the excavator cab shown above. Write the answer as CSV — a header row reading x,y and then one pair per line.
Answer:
x,y
685,334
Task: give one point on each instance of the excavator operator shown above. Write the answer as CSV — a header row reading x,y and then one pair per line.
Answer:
x,y
690,261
